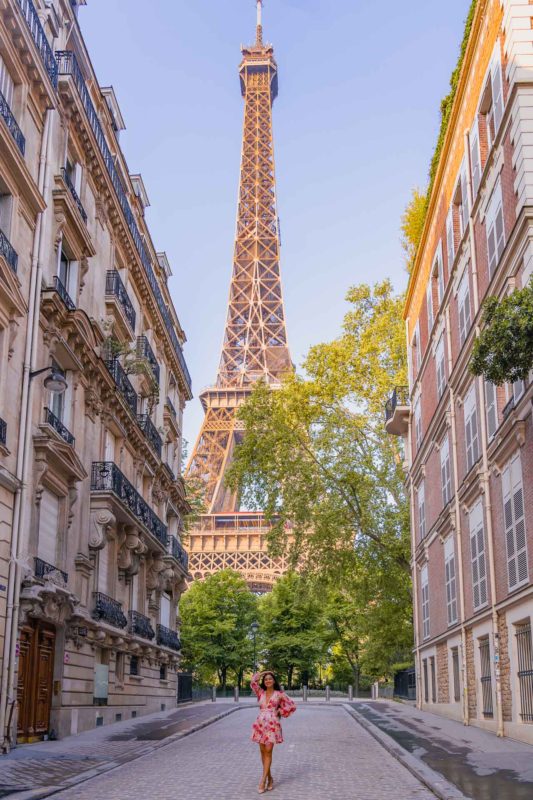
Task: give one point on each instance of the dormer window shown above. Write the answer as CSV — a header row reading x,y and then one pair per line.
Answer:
x,y
140,190
117,119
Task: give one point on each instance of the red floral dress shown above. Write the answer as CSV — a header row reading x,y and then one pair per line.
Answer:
x,y
267,729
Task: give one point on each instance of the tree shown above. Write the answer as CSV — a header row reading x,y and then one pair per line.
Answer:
x,y
504,349
316,459
216,617
293,632
413,220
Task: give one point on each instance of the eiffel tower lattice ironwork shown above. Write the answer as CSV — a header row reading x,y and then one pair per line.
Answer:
x,y
255,340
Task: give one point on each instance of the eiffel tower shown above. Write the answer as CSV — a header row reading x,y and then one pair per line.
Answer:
x,y
254,345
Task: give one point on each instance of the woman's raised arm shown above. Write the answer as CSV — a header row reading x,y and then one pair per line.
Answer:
x,y
254,683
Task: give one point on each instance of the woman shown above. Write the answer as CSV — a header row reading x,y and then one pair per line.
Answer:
x,y
266,730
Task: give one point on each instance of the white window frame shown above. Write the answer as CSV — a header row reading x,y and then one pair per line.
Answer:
x,y
515,523
7,84
475,156
451,580
496,80
463,306
450,239
495,229
424,593
429,305
421,503
445,471
491,409
471,427
417,414
465,205
440,366
478,559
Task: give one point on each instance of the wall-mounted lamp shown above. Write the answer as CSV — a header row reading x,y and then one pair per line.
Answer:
x,y
55,382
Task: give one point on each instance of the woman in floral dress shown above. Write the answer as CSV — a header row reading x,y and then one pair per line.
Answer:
x,y
266,730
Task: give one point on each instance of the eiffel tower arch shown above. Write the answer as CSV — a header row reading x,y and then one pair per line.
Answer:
x,y
254,346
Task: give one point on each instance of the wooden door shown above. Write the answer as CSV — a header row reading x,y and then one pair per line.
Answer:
x,y
35,680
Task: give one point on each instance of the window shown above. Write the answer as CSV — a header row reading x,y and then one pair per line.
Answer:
x,y
421,511
57,400
429,304
6,84
471,428
515,523
486,678
477,550
450,239
48,527
451,583
433,680
134,665
67,274
425,601
6,209
445,472
495,229
104,572
492,101
426,684
460,200
440,365
475,157
119,668
165,610
456,675
524,648
417,348
438,275
418,422
73,170
463,304
519,388
163,672
491,402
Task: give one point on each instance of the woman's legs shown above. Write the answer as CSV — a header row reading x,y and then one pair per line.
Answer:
x,y
263,755
267,763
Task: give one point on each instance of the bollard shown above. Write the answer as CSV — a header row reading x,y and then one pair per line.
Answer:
x,y
213,694
236,694
350,693
305,691
328,693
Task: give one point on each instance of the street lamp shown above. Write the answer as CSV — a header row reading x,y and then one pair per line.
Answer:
x,y
254,627
55,382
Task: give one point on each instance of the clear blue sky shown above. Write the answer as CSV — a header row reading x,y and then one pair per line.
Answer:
x,y
355,124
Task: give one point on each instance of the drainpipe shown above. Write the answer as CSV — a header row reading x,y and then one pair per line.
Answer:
x,y
484,476
458,527
414,576
7,691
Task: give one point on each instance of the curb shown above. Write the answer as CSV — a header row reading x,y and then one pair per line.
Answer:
x,y
48,791
440,787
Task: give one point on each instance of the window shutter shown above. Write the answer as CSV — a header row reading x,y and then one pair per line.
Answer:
x,y
441,366
495,229
463,301
421,511
445,472
475,157
451,586
418,422
6,84
497,95
429,303
515,524
165,610
103,569
465,211
492,408
471,427
109,446
477,549
450,244
440,273
48,527
425,601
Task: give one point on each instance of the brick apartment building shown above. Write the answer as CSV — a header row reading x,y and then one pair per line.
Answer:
x,y
469,444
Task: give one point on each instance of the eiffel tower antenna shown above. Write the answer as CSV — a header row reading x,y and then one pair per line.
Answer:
x,y
254,346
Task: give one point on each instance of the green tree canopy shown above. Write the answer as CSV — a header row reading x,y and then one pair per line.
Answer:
x,y
216,616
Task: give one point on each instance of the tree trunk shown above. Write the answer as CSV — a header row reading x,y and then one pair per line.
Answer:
x,y
289,676
223,673
240,677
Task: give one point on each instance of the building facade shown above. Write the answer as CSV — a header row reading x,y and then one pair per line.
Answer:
x,y
93,383
469,444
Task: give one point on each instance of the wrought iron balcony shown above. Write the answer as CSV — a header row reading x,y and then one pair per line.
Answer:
x,y
51,419
3,433
179,553
64,295
107,477
11,122
397,411
168,638
170,406
42,570
151,433
39,37
68,65
73,192
7,251
123,383
114,286
108,610
140,625
145,351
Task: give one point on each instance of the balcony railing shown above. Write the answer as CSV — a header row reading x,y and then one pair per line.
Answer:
x,y
108,610
11,122
68,65
170,406
7,251
42,570
73,192
64,295
114,286
397,411
145,351
151,433
179,553
399,397
123,383
3,433
39,37
107,477
140,625
51,419
168,638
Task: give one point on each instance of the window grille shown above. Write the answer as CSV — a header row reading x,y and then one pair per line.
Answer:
x,y
524,649
486,678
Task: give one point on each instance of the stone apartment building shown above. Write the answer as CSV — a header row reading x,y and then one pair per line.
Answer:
x,y
93,384
469,444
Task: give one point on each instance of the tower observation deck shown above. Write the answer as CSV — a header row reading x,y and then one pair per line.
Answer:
x,y
254,346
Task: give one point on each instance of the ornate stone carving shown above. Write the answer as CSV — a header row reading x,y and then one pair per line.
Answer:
x,y
84,268
130,548
102,523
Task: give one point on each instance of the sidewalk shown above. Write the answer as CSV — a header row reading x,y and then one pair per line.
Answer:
x,y
477,763
37,770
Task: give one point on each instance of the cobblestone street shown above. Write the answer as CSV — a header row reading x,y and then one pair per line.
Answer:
x,y
326,755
